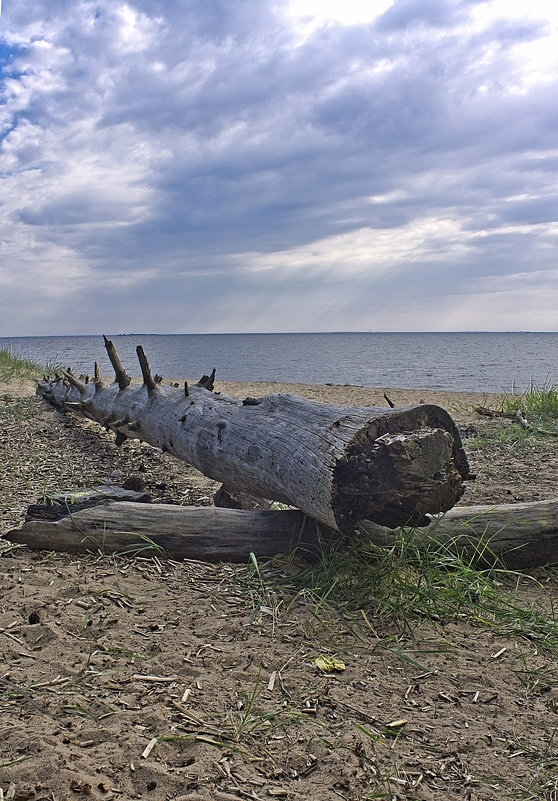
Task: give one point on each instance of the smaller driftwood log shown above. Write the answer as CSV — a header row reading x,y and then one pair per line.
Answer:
x,y
53,507
519,536
178,532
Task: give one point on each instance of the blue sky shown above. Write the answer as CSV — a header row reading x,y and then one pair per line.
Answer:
x,y
278,165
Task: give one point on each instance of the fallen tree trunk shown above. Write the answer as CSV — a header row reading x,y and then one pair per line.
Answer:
x,y
177,532
336,464
518,536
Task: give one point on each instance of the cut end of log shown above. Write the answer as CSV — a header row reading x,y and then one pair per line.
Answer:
x,y
401,475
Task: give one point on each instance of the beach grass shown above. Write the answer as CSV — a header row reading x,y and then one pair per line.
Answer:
x,y
15,368
538,405
403,585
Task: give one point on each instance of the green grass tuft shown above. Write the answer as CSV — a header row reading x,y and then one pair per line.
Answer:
x,y
14,368
390,590
538,405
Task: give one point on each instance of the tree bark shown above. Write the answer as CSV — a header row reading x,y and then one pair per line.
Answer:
x,y
336,464
519,535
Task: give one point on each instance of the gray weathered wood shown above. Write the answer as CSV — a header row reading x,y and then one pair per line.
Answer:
x,y
54,506
178,532
337,464
519,535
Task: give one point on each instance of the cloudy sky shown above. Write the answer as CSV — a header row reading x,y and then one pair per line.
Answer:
x,y
278,165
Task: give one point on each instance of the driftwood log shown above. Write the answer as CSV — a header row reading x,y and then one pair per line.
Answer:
x,y
204,533
54,507
337,464
519,536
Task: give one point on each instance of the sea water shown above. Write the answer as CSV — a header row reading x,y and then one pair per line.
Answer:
x,y
472,361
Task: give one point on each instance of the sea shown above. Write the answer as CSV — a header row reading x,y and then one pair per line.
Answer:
x,y
461,361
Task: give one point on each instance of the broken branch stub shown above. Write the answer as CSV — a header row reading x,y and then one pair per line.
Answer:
x,y
337,464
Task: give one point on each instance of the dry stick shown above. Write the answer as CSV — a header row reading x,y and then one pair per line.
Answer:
x,y
207,381
79,385
516,417
25,694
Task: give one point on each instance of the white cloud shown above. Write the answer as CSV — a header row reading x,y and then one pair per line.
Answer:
x,y
347,12
368,251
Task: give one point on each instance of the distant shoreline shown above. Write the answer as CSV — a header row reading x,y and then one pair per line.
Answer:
x,y
269,333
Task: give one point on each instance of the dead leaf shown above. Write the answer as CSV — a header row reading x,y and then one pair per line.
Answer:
x,y
328,664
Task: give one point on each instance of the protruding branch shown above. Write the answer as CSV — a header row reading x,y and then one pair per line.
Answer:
x,y
148,379
98,381
122,376
207,381
75,382
80,406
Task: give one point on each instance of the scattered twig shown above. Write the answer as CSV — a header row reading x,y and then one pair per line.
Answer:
x,y
516,417
20,691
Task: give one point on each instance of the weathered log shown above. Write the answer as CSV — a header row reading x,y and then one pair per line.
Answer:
x,y
177,532
53,507
518,535
337,464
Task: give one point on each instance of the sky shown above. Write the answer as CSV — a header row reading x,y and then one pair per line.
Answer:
x,y
278,165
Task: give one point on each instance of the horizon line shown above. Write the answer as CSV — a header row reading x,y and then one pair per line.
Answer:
x,y
280,333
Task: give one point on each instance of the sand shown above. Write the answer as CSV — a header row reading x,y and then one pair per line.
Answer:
x,y
143,678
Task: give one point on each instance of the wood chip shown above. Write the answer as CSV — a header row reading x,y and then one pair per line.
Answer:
x,y
149,748
12,637
397,724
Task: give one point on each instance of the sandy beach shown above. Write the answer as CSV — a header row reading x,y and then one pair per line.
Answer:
x,y
144,678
